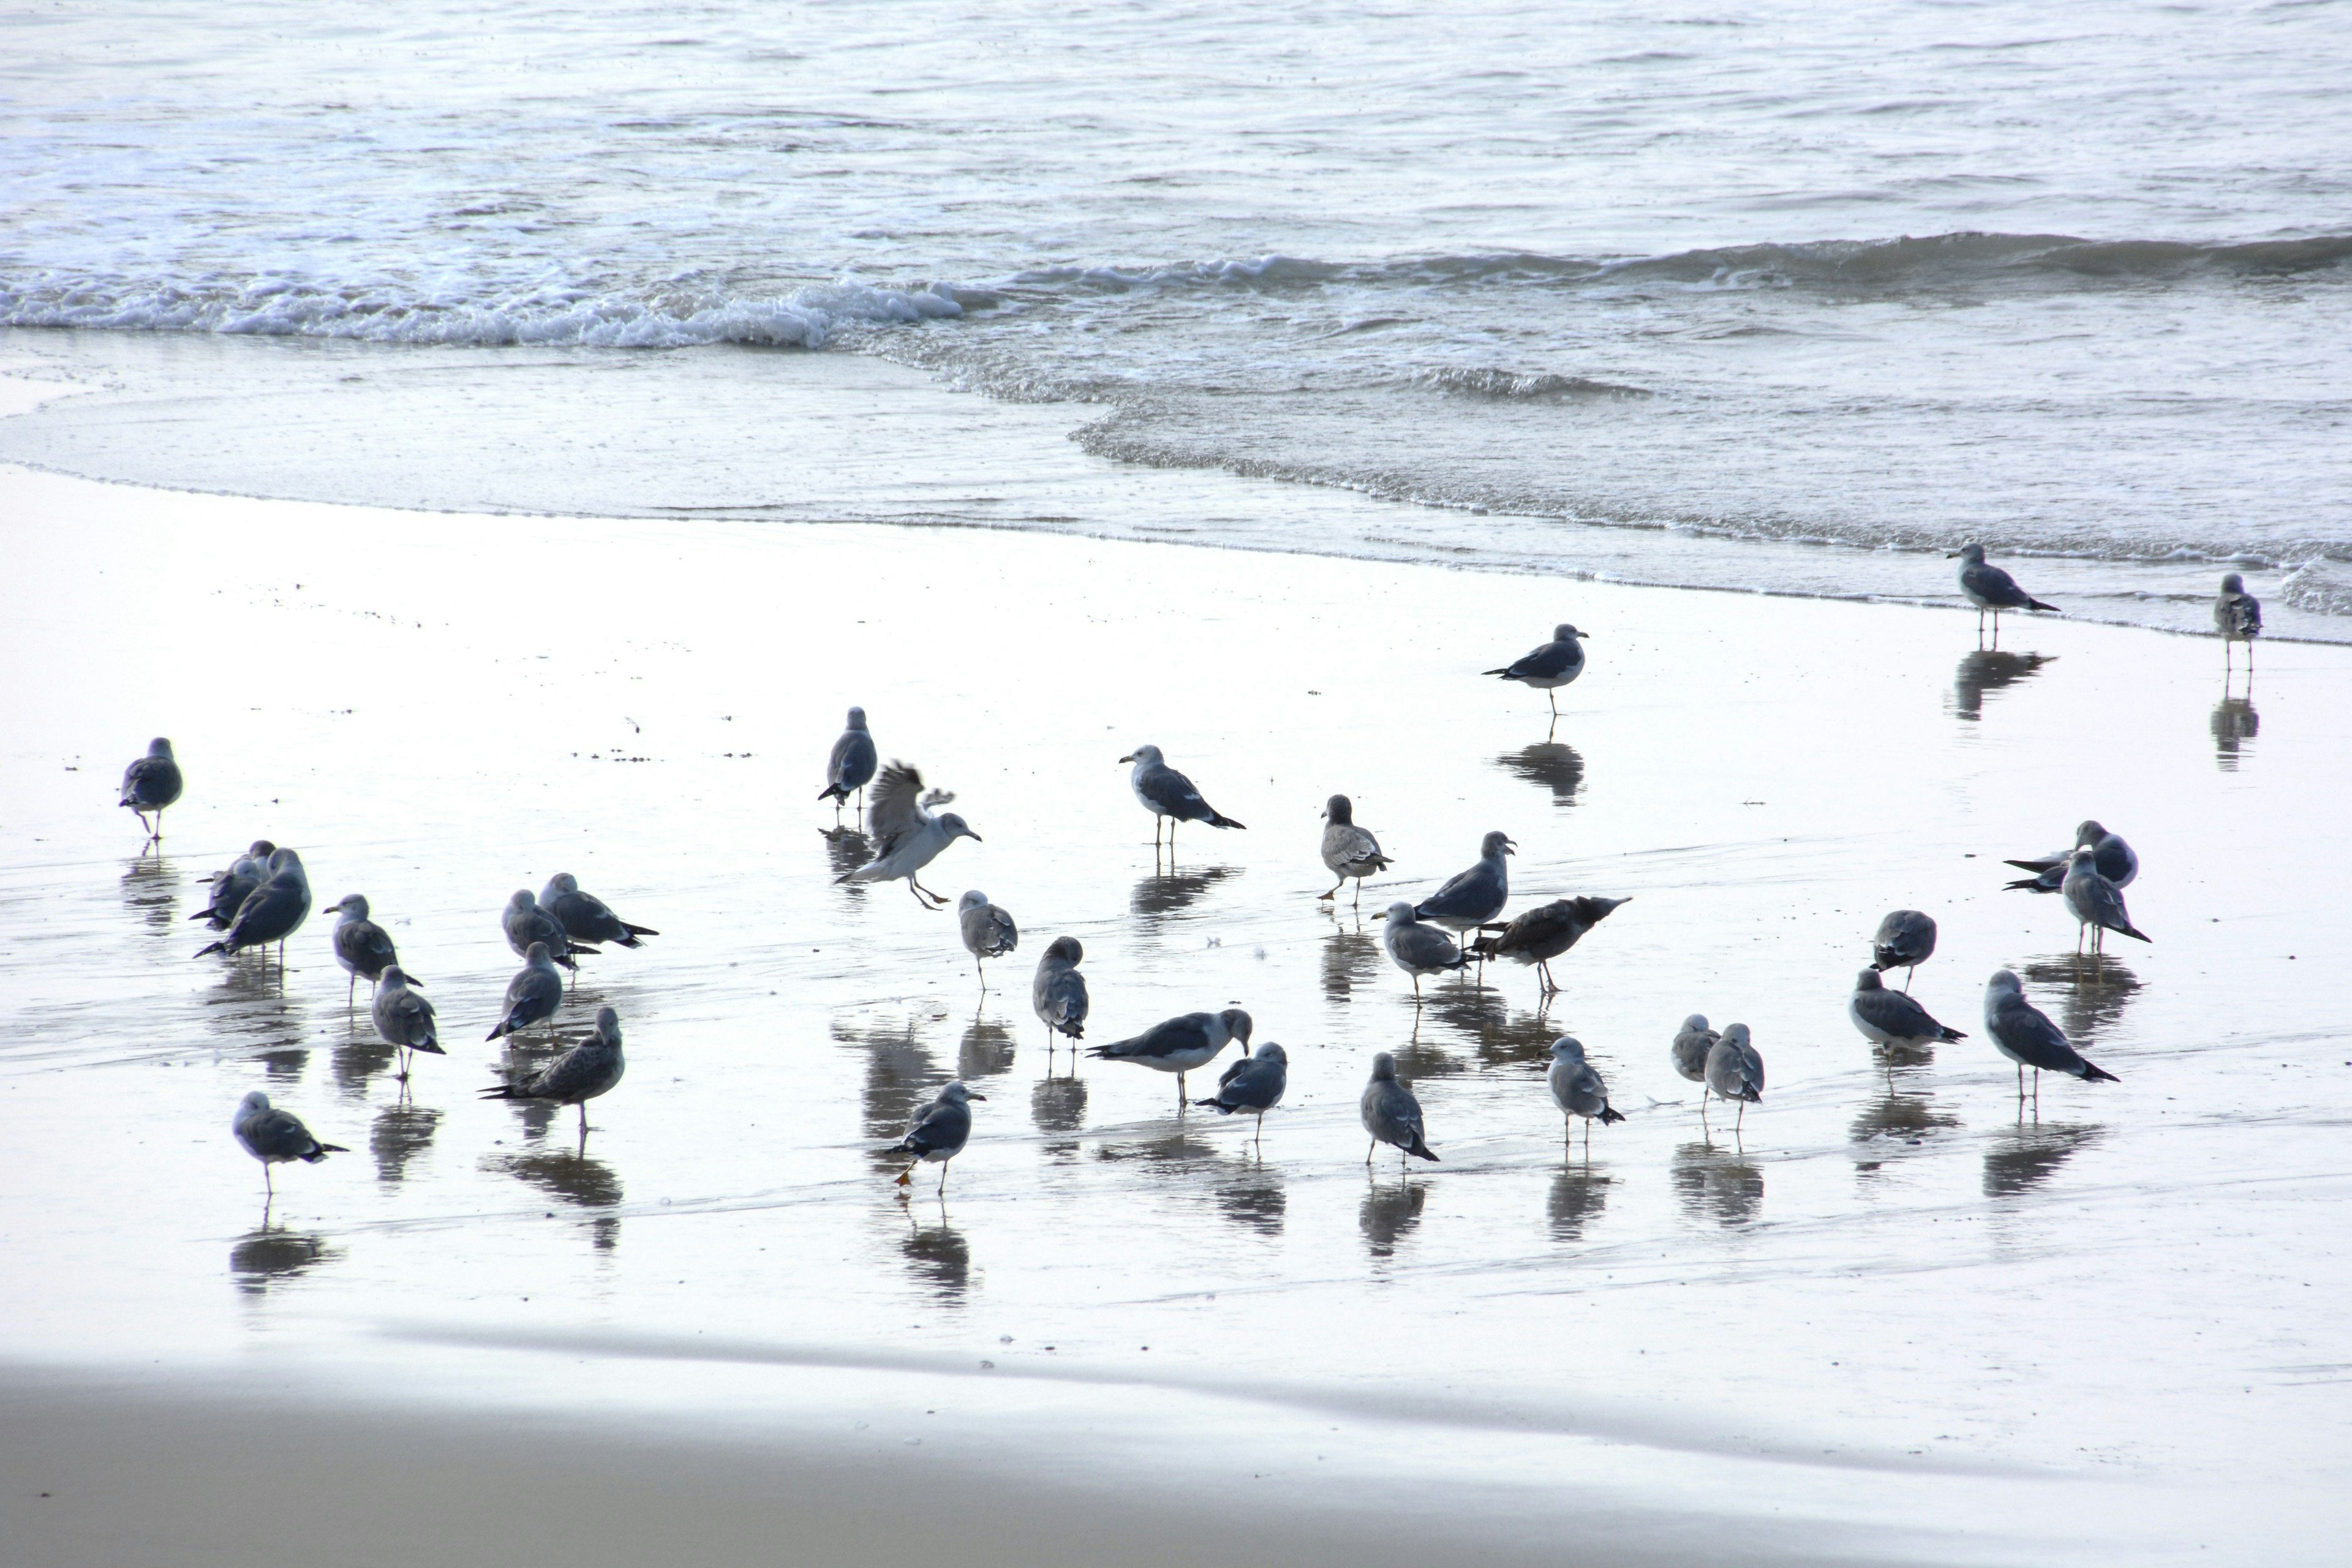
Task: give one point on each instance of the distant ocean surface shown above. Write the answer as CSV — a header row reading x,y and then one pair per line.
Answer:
x,y
2075,280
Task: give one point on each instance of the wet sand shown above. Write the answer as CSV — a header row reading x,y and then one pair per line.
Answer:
x,y
1896,1322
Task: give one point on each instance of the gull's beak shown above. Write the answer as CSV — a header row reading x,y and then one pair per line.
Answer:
x,y
975,837
976,1097
1381,916
1509,848
1952,555
1128,758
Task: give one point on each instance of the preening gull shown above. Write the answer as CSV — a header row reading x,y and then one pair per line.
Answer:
x,y
1058,992
1349,851
1577,1089
938,1133
1693,1042
1541,934
2024,1034
851,765
1167,793
1549,667
1734,1072
988,932
1181,1044
1391,1115
245,873
584,917
907,836
1415,948
1905,940
525,923
272,911
1890,1017
1988,587
2116,860
1253,1083
152,782
588,1070
274,1137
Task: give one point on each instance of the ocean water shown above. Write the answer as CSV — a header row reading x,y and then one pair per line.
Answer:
x,y
1653,293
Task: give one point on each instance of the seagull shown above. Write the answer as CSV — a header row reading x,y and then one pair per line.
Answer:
x,y
1391,1115
525,923
1543,933
584,917
988,932
1415,948
1181,1044
2095,902
851,766
588,1070
2024,1034
274,1136
362,946
2237,615
1577,1089
245,873
150,783
1693,1041
938,1133
1470,899
1255,1082
1990,588
403,1018
1166,793
1059,992
272,911
2116,862
1890,1017
1349,850
532,995
1734,1072
907,837
1905,940
1551,666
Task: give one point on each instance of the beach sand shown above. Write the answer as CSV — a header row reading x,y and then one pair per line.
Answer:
x,y
1896,1322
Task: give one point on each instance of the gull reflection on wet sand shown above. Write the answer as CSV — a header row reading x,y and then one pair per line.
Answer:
x,y
938,1254
2019,1159
1717,1184
264,1256
1351,962
401,1133
1553,765
2091,994
987,1050
1579,1195
2235,724
151,891
900,1075
1990,669
1161,895
1389,1213
1256,1199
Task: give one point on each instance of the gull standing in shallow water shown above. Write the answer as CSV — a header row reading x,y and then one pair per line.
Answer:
x,y
2116,860
1905,940
1255,1083
1469,900
1349,850
2024,1034
2238,616
988,932
362,946
1058,992
1541,934
1577,1089
526,925
1181,1044
245,873
152,782
405,1019
1890,1017
1391,1115
1549,667
1167,793
1988,587
532,995
2095,902
850,767
588,1070
938,1133
584,917
1736,1071
1415,948
272,911
907,837
274,1137
1693,1042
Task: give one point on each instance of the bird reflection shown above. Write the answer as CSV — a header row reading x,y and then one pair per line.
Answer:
x,y
846,849
1176,1147
1158,896
576,1178
1554,766
1897,1117
2235,725
1351,961
939,1256
356,1061
1714,1183
987,1051
1990,670
899,1076
401,1133
1058,1104
149,890
268,1255
1578,1193
1389,1214
283,1066
2090,996
252,1001
1256,1200
2021,1158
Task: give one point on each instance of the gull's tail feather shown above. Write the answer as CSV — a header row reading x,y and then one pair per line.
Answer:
x,y
1609,1115
504,1091
321,1151
2135,931
216,947
638,931
1219,819
1420,1147
1219,1106
2093,1073
833,792
430,1048
2033,603
1951,1034
2030,884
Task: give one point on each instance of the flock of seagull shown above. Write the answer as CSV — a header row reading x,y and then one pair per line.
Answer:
x,y
264,895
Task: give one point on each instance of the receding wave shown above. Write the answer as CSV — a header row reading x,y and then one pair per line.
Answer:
x,y
1479,381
